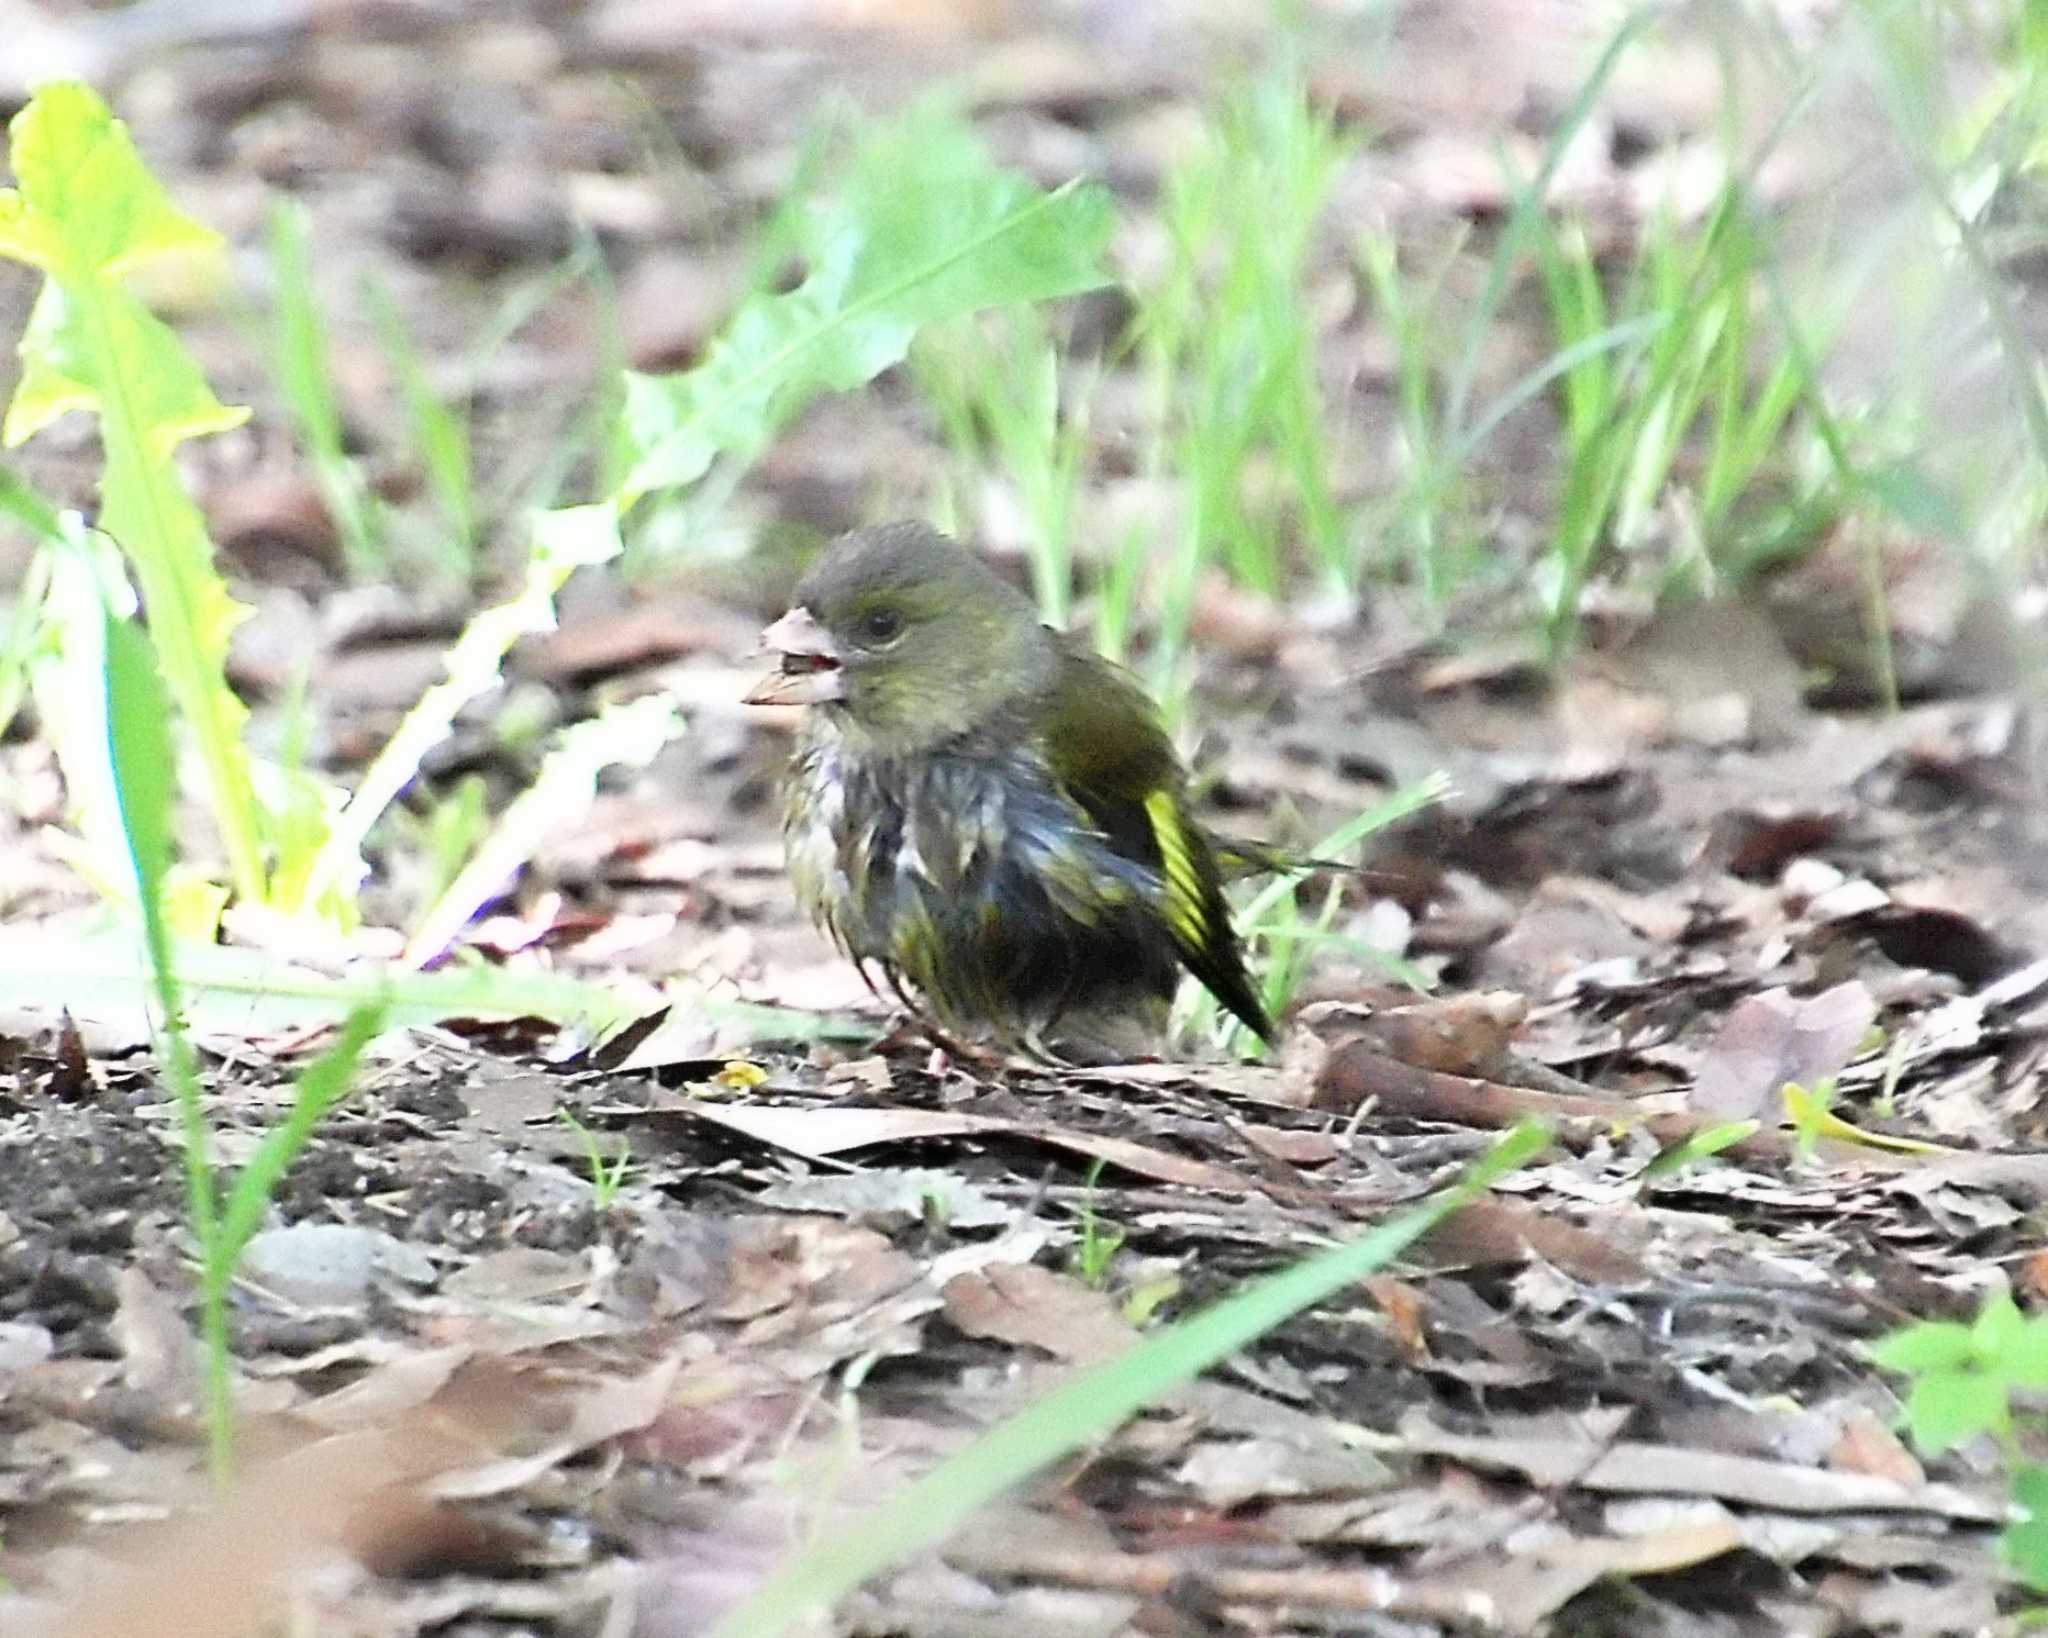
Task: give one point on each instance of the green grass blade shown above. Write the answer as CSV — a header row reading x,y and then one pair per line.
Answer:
x,y
138,727
1090,1404
1397,805
1270,922
1527,218
320,1086
1614,338
301,362
440,434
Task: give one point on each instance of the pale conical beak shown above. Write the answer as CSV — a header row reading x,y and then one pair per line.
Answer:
x,y
811,671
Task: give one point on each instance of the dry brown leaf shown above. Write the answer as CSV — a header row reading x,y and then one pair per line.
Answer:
x,y
1405,1307
1632,1468
218,1574
1866,1445
1503,1231
598,1413
159,1354
1770,1039
389,1390
1021,1302
1454,1035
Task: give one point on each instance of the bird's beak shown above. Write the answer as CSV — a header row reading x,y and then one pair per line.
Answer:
x,y
811,671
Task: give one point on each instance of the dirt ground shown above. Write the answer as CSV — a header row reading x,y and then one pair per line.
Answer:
x,y
483,1397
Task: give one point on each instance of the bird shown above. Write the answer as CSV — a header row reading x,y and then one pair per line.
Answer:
x,y
988,814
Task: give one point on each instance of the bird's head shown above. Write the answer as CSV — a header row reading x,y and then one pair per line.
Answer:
x,y
907,639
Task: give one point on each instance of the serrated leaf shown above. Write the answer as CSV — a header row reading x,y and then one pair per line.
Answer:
x,y
84,200
73,359
576,537
86,207
54,381
22,237
926,228
564,540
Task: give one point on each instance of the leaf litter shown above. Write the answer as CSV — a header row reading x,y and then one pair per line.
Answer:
x,y
484,1393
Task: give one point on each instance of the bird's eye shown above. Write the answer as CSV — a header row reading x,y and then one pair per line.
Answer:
x,y
881,625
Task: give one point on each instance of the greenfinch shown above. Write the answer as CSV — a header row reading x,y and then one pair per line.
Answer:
x,y
984,811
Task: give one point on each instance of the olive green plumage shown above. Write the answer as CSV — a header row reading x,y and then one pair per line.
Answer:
x,y
983,809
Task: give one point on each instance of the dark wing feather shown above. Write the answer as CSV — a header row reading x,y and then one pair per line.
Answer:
x,y
1105,746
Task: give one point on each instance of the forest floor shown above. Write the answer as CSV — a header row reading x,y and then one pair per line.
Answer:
x,y
485,1390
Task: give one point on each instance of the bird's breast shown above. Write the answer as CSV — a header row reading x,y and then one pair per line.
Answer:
x,y
854,840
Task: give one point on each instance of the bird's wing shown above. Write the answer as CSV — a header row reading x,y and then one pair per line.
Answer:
x,y
1106,748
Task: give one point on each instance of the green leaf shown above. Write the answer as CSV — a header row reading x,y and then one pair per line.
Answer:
x,y
1932,1345
926,228
440,433
68,673
1708,1141
1946,1407
2025,1359
86,208
245,994
144,784
2025,1542
319,1087
302,365
86,203
138,730
77,353
240,995
1916,498
564,541
1998,1327
21,502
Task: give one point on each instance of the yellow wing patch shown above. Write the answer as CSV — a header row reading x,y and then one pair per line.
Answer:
x,y
1186,893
